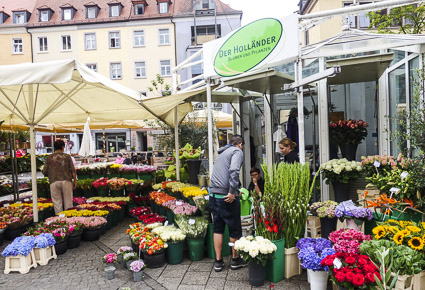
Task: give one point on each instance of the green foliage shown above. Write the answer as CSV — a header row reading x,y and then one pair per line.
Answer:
x,y
159,87
408,19
385,271
85,184
24,163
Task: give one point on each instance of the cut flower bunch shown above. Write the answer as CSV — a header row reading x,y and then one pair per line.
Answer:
x,y
340,170
313,251
325,209
255,250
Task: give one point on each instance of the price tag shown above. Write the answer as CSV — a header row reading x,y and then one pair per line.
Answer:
x,y
376,164
6,205
203,188
404,174
62,215
89,201
178,203
337,263
168,179
48,223
142,241
159,190
27,199
207,197
191,221
394,190
19,202
166,223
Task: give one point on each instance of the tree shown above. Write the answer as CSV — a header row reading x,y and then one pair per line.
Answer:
x,y
159,87
410,19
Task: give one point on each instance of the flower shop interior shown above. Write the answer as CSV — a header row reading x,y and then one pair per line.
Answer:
x,y
350,213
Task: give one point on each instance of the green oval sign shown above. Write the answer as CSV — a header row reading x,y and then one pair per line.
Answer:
x,y
248,47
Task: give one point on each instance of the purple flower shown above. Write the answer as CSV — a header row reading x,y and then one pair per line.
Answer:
x,y
349,209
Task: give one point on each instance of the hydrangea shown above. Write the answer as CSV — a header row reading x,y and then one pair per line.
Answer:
x,y
349,209
20,246
44,240
310,259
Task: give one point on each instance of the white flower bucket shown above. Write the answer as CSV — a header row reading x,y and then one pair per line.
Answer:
x,y
318,279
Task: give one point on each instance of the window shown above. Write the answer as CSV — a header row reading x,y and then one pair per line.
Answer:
x,y
19,18
17,46
163,7
205,4
205,33
139,38
90,41
44,16
66,42
114,39
164,36
67,14
92,66
139,9
42,44
116,71
3,17
360,21
165,68
114,10
140,69
91,12
196,69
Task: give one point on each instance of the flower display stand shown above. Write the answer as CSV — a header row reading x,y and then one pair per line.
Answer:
x,y
275,268
419,281
404,282
44,255
314,229
21,264
292,263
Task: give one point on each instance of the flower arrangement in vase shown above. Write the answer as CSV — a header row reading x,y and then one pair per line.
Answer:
x,y
350,131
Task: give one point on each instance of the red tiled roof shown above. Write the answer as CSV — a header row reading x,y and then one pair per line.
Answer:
x,y
8,6
185,7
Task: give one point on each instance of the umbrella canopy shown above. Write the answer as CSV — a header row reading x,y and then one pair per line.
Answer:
x,y
222,120
87,146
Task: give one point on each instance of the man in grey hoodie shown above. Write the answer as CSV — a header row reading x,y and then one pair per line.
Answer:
x,y
224,199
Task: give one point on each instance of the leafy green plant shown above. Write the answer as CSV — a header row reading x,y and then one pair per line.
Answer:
x,y
385,272
159,86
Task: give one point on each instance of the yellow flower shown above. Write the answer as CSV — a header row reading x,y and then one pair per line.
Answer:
x,y
379,232
393,229
405,232
413,229
416,243
398,238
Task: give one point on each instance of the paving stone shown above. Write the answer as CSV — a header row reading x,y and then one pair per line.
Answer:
x,y
199,278
191,287
215,284
169,283
239,275
286,285
237,285
222,274
201,267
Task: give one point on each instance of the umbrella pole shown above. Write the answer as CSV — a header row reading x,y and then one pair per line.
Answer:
x,y
104,142
176,142
210,129
33,174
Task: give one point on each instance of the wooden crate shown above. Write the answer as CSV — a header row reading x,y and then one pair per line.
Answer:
x,y
313,221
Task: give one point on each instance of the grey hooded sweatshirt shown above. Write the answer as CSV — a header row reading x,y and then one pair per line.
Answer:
x,y
225,176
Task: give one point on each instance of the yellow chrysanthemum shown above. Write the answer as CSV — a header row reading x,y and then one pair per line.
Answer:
x,y
398,238
416,243
413,229
379,232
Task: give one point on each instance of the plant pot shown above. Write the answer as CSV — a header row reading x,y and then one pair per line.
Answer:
x,y
341,191
155,260
102,192
128,263
318,279
145,176
42,194
292,263
419,281
114,218
83,176
355,224
91,234
13,232
175,253
193,168
348,151
110,272
90,193
195,249
134,246
327,226
130,176
138,276
117,193
74,240
256,274
170,216
61,247
275,268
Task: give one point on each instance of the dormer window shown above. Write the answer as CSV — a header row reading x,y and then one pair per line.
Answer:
x,y
68,12
163,7
44,14
92,10
3,17
19,17
205,4
115,9
139,6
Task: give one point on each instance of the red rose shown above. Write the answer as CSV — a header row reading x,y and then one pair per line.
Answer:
x,y
362,261
368,268
349,276
340,277
350,260
358,280
370,278
358,270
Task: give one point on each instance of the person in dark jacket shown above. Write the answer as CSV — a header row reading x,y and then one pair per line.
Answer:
x,y
287,147
257,182
224,199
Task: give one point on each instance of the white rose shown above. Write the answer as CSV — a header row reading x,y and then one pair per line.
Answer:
x,y
359,168
253,253
348,168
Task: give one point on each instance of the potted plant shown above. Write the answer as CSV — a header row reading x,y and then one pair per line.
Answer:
x,y
101,186
174,238
353,215
326,212
122,251
340,172
137,268
92,227
347,135
195,228
20,255
128,258
60,233
109,260
129,171
75,230
153,248
312,252
256,252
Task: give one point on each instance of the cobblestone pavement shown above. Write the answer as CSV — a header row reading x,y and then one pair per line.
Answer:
x,y
82,268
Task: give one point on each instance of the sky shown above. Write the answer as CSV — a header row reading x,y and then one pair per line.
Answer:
x,y
255,9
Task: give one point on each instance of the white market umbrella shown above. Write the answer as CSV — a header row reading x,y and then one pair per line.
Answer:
x,y
87,146
67,91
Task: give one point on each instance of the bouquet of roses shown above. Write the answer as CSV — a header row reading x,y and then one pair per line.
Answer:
x,y
146,169
110,258
351,270
137,211
325,209
348,240
348,132
169,234
257,250
347,209
378,163
184,209
101,183
313,251
340,170
116,183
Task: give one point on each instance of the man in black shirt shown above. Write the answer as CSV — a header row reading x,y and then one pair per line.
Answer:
x,y
257,182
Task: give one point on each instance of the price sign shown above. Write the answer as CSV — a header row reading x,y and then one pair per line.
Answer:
x,y
6,205
404,174
191,221
376,164
337,263
178,203
166,223
203,188
27,199
159,190
62,215
19,202
207,197
394,190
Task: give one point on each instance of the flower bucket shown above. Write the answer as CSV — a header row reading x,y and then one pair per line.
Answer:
x,y
91,234
341,191
83,176
74,240
256,274
404,282
117,193
419,281
130,176
292,263
226,250
175,253
275,268
318,279
155,260
44,255
11,233
170,216
245,207
348,151
162,211
42,194
145,176
112,175
102,192
110,272
128,263
61,247
19,263
138,276
195,249
327,226
97,176
1,238
193,168
121,214
90,193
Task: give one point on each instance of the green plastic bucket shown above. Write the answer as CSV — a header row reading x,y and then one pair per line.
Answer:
x,y
170,216
245,207
175,253
275,268
226,250
102,192
195,249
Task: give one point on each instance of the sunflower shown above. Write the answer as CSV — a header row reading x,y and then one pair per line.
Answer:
x,y
379,232
405,232
413,229
416,243
393,229
398,238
